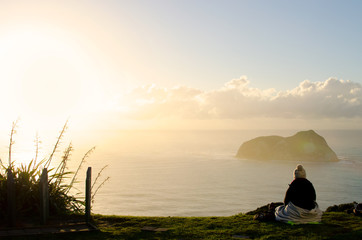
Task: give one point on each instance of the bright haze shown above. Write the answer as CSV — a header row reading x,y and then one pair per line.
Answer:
x,y
181,64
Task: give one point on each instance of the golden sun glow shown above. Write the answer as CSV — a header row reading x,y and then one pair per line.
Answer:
x,y
46,78
46,75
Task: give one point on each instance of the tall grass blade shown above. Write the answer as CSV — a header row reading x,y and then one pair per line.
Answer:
x,y
56,144
60,171
94,194
12,133
37,141
88,153
98,175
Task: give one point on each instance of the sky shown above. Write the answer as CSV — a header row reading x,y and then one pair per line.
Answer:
x,y
198,64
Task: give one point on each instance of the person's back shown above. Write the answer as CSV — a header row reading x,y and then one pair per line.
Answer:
x,y
300,201
301,193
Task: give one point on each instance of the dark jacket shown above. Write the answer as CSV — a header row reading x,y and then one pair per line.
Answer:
x,y
301,193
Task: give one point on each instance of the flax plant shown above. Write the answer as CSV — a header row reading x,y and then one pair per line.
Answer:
x,y
27,176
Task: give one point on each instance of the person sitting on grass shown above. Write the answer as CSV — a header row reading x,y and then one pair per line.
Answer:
x,y
300,204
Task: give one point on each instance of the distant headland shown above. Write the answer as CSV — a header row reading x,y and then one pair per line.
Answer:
x,y
303,146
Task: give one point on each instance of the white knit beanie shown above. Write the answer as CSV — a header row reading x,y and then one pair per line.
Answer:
x,y
299,172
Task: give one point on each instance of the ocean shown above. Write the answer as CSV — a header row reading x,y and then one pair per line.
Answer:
x,y
195,173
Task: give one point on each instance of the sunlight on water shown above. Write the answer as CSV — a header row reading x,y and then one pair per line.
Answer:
x,y
196,174
178,173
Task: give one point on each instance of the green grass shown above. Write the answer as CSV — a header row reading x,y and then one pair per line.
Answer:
x,y
335,225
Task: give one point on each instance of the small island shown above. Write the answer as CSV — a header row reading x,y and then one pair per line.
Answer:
x,y
303,146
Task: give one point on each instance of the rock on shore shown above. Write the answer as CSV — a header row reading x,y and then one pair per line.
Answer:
x,y
303,146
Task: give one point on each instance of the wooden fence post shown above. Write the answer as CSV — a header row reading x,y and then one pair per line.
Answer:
x,y
44,196
11,198
88,195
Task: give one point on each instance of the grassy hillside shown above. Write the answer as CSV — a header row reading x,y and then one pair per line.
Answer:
x,y
335,225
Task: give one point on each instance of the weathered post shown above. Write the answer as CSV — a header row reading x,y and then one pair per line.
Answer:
x,y
88,195
11,198
44,196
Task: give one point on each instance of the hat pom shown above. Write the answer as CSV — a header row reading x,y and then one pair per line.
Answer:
x,y
300,168
299,172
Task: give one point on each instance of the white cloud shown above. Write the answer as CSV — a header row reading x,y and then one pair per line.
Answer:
x,y
332,98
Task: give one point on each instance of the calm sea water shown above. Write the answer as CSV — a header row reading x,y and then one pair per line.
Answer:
x,y
195,173
175,173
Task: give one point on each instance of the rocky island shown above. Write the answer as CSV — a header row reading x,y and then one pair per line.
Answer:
x,y
303,146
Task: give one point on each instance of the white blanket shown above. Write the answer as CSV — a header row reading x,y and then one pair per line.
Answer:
x,y
297,215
